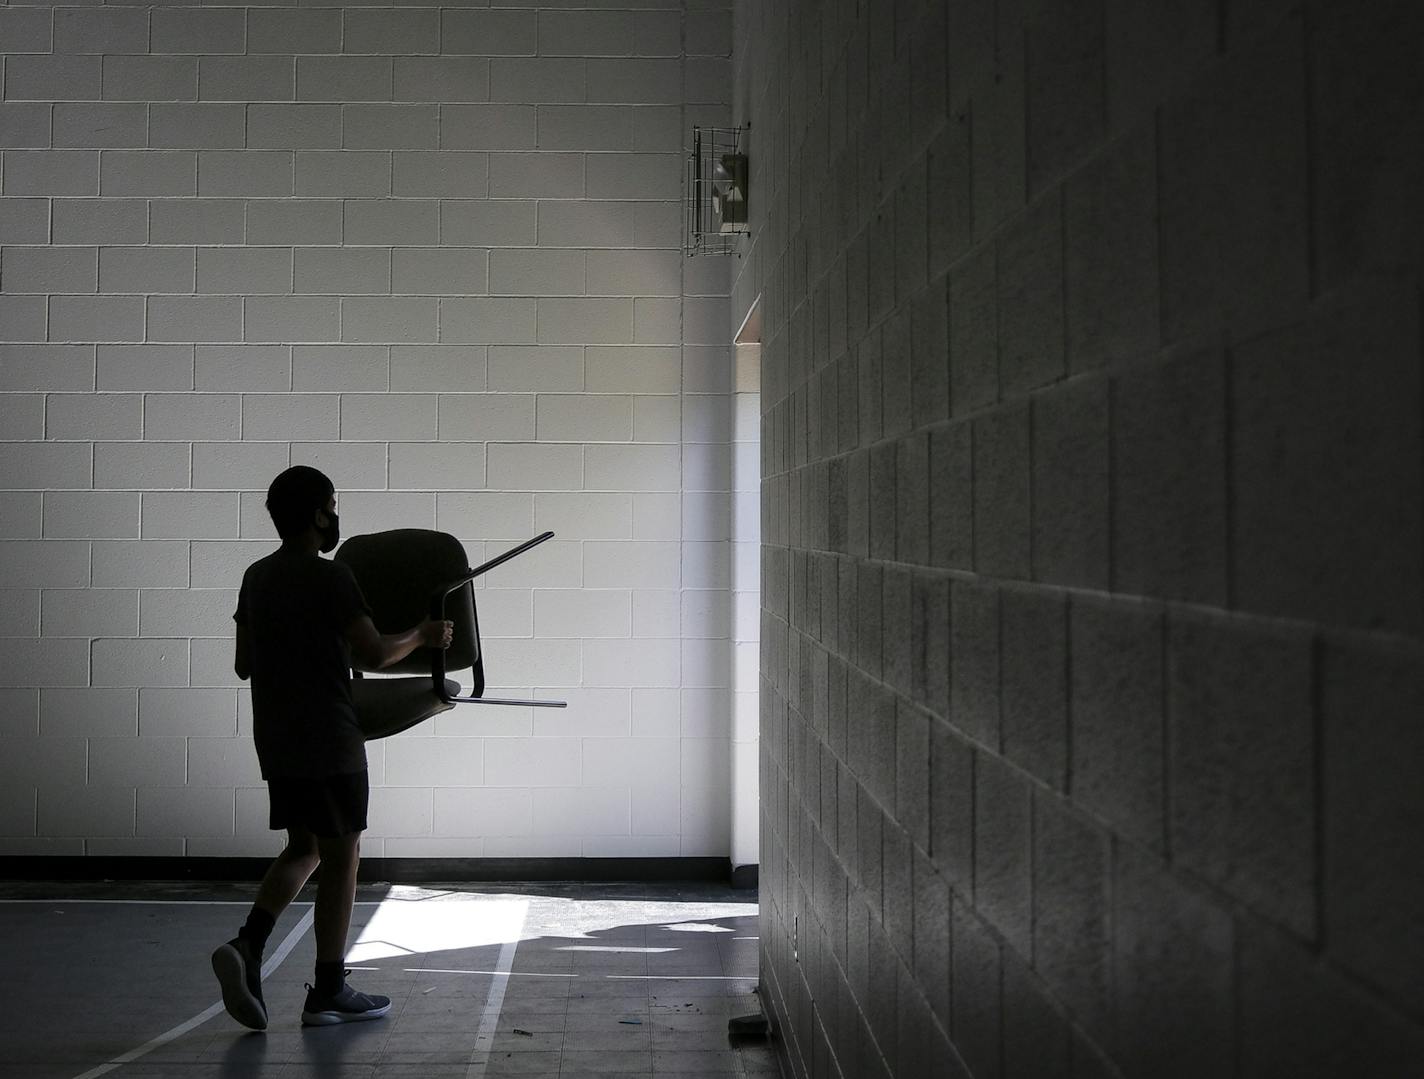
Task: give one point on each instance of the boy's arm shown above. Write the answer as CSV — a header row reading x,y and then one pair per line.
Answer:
x,y
241,661
373,650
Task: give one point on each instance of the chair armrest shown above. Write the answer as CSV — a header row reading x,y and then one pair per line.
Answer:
x,y
437,599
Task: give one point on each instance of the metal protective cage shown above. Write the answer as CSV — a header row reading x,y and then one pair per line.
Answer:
x,y
716,191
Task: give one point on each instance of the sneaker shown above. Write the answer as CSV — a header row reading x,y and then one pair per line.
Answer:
x,y
346,1005
239,969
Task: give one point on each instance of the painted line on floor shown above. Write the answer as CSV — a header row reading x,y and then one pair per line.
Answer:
x,y
283,950
167,902
683,977
478,1063
289,942
138,902
506,973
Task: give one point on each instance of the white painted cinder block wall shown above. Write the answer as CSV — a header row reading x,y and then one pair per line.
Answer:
x,y
434,251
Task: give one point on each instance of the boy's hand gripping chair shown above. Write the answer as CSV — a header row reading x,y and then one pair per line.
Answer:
x,y
408,575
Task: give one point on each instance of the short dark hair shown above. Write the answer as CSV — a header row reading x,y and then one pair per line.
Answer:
x,y
295,496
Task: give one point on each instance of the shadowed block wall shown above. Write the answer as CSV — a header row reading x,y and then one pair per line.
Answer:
x,y
433,250
1093,579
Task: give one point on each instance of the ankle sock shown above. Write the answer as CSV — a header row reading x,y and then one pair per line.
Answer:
x,y
257,928
330,977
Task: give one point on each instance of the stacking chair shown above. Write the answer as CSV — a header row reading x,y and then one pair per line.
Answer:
x,y
408,575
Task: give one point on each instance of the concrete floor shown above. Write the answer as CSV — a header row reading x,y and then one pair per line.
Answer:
x,y
498,980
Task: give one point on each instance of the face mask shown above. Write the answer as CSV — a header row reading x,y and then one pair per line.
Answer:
x,y
331,534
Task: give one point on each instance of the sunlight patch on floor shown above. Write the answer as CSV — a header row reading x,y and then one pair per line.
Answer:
x,y
403,926
416,921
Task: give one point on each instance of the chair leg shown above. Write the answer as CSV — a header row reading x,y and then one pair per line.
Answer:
x,y
499,700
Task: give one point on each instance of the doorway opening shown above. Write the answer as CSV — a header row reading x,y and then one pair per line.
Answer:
x,y
746,593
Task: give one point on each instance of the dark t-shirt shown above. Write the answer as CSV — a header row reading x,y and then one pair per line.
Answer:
x,y
294,608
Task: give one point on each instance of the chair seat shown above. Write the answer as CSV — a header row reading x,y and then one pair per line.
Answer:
x,y
387,706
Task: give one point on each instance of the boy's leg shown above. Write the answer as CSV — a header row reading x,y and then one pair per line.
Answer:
x,y
288,872
238,963
335,894
331,1000
285,877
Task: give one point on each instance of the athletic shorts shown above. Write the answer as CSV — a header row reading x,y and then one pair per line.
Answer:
x,y
327,806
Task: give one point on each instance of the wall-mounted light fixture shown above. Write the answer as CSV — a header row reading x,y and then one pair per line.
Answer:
x,y
716,190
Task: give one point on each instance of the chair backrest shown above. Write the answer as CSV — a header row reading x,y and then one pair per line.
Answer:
x,y
398,572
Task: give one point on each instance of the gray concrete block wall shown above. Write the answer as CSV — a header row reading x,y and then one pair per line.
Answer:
x,y
1091,451
436,251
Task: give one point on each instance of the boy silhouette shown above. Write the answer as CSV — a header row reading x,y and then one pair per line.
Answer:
x,y
301,620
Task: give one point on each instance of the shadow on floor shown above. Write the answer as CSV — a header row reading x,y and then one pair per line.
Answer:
x,y
550,980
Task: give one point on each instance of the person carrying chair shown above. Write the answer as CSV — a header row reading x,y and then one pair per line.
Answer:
x,y
301,622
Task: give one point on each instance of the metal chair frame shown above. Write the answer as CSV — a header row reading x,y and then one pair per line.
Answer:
x,y
437,611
